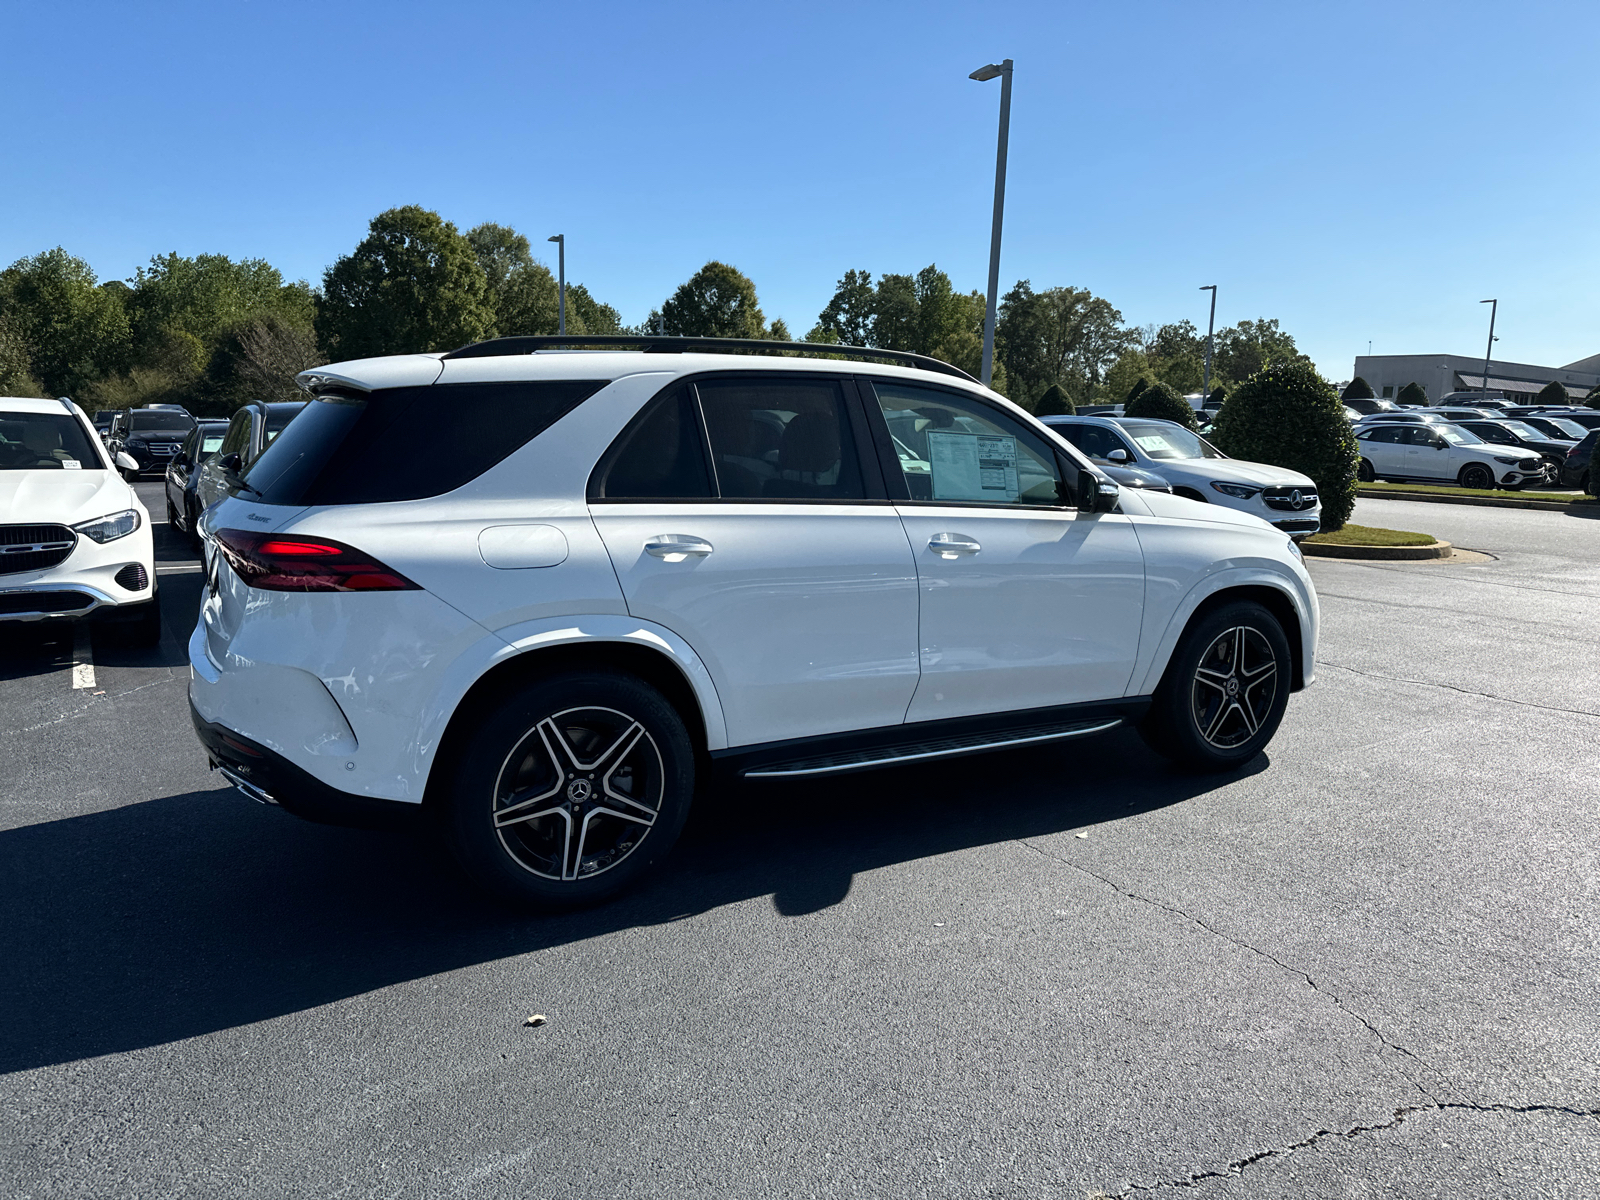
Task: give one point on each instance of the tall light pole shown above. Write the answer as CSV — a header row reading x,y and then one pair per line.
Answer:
x,y
1211,325
1494,307
560,240
1002,71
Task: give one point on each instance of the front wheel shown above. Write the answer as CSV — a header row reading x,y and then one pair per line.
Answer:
x,y
1224,692
1476,475
1365,473
572,791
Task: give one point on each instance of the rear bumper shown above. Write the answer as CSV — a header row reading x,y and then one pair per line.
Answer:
x,y
269,778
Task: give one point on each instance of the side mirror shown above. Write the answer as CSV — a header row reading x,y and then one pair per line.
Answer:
x,y
126,461
1440,444
1096,494
229,462
1119,456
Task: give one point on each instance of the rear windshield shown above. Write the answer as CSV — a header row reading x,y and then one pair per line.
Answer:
x,y
45,442
168,422
407,443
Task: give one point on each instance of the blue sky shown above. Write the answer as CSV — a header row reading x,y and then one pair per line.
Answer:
x,y
1357,170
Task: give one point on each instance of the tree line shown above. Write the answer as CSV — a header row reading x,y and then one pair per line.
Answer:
x,y
210,332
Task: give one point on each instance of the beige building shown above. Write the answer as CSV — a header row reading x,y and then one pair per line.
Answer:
x,y
1442,374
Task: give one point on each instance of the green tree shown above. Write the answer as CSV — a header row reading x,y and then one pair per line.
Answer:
x,y
848,316
591,316
521,292
1158,400
716,301
1358,389
1593,399
894,314
1184,372
412,285
73,330
1063,335
1413,394
258,359
779,330
1245,348
1054,403
1552,393
16,366
1289,416
202,298
1129,367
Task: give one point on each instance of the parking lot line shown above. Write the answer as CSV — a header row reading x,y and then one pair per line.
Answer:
x,y
180,569
82,658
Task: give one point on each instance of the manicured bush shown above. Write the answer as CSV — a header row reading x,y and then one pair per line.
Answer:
x,y
1552,393
1054,403
1288,415
1160,401
1139,385
1592,400
1358,389
1412,394
1218,395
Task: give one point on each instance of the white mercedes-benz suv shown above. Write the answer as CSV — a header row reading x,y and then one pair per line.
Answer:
x,y
537,593
74,539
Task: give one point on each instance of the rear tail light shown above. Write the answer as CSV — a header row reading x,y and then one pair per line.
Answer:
x,y
294,563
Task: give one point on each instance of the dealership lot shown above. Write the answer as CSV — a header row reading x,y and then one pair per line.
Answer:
x,y
1065,972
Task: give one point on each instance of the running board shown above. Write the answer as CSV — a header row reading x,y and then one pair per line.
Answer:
x,y
950,747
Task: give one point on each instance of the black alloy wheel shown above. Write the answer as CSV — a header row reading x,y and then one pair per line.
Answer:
x,y
1365,473
572,790
1225,690
1476,475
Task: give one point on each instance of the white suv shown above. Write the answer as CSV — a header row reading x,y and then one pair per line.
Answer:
x,y
1198,470
537,593
74,539
1443,453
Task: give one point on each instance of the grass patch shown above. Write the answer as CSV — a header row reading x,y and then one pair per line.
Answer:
x,y
1496,493
1366,535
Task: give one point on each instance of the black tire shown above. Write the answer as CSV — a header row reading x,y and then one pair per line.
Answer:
x,y
632,803
192,525
1476,475
1365,473
172,513
1198,718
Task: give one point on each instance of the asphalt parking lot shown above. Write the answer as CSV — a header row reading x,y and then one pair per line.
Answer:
x,y
1366,966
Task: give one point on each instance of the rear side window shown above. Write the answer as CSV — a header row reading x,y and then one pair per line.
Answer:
x,y
660,458
407,443
781,439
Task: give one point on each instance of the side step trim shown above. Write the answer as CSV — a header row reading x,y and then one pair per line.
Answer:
x,y
862,760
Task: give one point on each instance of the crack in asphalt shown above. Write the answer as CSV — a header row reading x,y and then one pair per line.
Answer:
x,y
1256,950
1401,1115
96,702
1576,712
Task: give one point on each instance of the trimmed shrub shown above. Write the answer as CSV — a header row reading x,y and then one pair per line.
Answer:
x,y
1288,415
1218,395
1160,401
1412,394
1054,403
1358,389
1552,393
1139,385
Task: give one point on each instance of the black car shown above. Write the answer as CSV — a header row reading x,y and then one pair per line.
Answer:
x,y
1556,427
250,431
103,419
151,436
1525,437
1575,471
1589,418
183,473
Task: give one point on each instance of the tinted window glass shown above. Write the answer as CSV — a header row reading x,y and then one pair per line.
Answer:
x,y
1096,441
959,450
210,442
780,439
279,415
408,443
166,422
45,442
659,456
1390,433
238,435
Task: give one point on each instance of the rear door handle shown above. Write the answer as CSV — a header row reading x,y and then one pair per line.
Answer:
x,y
952,545
675,547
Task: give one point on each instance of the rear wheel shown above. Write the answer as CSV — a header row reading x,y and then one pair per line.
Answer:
x,y
1224,692
572,791
1476,475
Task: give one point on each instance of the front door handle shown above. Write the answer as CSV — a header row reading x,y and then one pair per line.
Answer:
x,y
952,545
675,547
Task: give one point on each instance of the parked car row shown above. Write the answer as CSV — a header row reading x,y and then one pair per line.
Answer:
x,y
1488,445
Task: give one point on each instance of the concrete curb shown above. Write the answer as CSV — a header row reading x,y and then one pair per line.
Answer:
x,y
1481,501
1379,553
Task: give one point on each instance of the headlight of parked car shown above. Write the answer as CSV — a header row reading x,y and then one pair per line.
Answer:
x,y
1510,462
109,529
1241,491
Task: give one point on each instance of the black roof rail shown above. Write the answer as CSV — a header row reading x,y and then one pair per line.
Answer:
x,y
663,344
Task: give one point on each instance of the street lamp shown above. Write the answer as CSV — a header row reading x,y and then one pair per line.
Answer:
x,y
1001,71
560,240
1205,388
1494,307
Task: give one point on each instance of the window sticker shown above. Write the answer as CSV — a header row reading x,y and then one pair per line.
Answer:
x,y
973,466
71,464
1153,442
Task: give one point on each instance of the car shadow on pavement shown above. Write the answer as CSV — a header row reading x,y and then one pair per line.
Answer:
x,y
185,915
